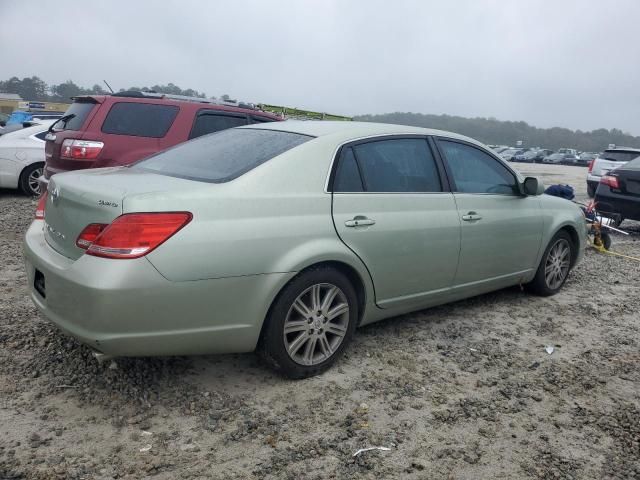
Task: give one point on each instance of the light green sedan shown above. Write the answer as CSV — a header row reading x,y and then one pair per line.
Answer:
x,y
284,237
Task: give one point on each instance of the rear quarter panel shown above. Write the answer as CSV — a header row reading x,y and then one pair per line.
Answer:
x,y
275,218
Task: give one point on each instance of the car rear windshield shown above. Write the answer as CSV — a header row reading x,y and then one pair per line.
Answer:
x,y
140,119
80,112
619,156
222,156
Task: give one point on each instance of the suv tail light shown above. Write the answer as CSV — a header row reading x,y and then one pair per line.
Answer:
x,y
611,181
80,149
132,235
591,162
40,208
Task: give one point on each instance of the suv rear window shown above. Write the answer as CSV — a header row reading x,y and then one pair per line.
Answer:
x,y
619,156
139,119
81,111
222,156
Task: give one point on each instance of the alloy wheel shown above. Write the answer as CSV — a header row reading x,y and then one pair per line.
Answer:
x,y
556,267
32,181
316,324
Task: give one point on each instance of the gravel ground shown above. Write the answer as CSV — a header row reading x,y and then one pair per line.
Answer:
x,y
461,391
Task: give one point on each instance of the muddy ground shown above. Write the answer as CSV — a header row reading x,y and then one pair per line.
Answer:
x,y
463,391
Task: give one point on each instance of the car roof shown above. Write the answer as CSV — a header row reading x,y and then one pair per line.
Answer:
x,y
344,130
622,149
184,103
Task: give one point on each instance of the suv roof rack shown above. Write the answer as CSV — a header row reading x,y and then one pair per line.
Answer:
x,y
185,98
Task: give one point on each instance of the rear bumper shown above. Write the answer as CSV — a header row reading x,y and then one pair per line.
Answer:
x,y
624,205
126,308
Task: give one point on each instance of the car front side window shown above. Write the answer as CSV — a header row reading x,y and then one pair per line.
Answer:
x,y
475,171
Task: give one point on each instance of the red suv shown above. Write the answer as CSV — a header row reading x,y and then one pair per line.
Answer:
x,y
119,129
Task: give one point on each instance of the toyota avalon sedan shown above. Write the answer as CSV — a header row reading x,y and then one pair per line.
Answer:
x,y
285,237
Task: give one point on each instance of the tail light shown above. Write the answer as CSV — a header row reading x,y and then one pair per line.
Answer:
x,y
40,208
132,235
89,234
611,181
80,149
591,162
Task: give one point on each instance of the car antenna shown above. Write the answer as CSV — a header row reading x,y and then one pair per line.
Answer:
x,y
108,86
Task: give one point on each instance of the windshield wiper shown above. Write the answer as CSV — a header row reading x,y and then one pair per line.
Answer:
x,y
64,118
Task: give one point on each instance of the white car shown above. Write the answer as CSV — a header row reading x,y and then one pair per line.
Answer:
x,y
22,158
605,162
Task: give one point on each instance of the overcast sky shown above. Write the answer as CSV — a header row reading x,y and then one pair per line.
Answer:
x,y
563,63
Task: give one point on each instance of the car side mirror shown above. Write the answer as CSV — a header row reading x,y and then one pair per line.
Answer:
x,y
532,186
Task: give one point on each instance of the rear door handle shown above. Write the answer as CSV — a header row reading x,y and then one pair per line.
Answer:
x,y
471,216
359,221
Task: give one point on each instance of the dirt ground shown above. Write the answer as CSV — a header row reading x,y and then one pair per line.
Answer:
x,y
463,391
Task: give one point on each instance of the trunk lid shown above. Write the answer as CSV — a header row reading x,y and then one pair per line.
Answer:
x,y
629,181
76,199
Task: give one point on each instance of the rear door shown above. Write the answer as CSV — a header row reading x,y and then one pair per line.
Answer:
x,y
133,130
501,230
392,208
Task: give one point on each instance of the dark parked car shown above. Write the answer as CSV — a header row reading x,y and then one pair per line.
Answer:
x,y
527,157
119,129
541,154
585,157
619,191
560,158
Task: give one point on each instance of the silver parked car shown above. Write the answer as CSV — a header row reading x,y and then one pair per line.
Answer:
x,y
285,237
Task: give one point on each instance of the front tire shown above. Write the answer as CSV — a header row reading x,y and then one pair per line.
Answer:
x,y
29,184
310,323
554,267
591,190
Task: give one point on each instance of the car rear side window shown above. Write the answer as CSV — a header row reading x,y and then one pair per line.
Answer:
x,y
80,112
347,177
139,119
475,171
206,123
619,156
222,156
397,165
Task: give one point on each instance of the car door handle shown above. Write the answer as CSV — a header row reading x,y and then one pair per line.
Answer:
x,y
359,221
471,216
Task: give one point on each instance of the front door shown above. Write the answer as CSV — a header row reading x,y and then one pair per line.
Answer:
x,y
501,229
390,208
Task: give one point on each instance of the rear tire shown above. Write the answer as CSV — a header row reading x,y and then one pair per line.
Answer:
x,y
310,323
554,267
28,182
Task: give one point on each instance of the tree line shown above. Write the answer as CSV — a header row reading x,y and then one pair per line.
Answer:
x,y
495,132
487,130
36,89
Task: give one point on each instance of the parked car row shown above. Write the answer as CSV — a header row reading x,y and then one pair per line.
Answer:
x,y
119,129
565,156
